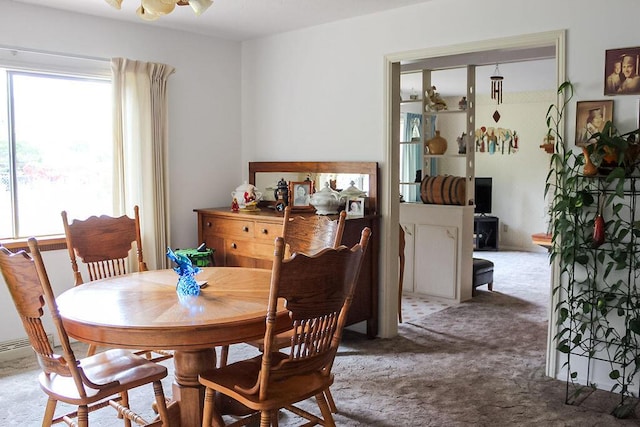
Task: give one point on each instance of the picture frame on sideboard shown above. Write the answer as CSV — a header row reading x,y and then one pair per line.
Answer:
x,y
355,207
300,195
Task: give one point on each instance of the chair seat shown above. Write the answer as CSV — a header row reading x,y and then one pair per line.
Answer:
x,y
120,367
244,374
481,265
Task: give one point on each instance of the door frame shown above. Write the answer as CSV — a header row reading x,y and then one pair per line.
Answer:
x,y
390,205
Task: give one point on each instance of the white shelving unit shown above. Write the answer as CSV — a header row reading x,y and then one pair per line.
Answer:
x,y
439,244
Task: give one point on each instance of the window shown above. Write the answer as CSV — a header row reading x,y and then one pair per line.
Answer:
x,y
55,150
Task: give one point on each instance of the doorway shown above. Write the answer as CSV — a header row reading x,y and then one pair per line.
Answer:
x,y
478,53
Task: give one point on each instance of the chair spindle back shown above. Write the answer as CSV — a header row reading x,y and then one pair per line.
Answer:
x,y
103,243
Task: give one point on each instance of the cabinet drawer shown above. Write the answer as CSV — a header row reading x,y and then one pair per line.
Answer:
x,y
248,248
228,227
239,247
267,231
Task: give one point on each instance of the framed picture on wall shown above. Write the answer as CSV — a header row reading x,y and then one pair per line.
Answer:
x,y
300,195
621,71
590,118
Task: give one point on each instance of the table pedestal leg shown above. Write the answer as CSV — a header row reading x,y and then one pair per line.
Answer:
x,y
186,388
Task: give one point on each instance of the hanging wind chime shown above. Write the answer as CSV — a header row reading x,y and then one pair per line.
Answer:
x,y
496,90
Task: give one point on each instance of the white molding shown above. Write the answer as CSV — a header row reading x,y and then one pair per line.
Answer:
x,y
547,38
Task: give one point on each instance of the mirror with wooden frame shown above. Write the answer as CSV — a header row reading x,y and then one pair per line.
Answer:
x,y
265,176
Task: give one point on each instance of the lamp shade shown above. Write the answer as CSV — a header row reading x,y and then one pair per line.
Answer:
x,y
146,15
115,3
159,7
200,6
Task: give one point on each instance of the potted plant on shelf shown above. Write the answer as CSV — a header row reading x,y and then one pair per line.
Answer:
x,y
613,152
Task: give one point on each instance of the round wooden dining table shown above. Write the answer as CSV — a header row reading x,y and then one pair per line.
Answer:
x,y
143,311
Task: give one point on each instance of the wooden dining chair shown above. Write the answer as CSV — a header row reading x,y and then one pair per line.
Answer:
x,y
103,244
308,235
90,383
305,234
318,291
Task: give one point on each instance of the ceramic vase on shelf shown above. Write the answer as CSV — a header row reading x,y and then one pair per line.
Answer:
x,y
437,144
589,168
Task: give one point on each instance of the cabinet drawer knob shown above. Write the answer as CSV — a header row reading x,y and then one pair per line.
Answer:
x,y
234,246
208,224
245,229
265,231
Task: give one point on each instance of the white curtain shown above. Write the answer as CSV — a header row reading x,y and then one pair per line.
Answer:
x,y
140,151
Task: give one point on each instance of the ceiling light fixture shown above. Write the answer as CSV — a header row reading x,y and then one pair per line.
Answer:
x,y
150,10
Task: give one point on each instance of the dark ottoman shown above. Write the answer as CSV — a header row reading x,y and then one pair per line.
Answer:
x,y
482,273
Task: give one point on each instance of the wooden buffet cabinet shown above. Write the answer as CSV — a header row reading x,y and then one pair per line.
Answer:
x,y
243,239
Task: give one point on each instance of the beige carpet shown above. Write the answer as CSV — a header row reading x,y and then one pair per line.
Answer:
x,y
479,363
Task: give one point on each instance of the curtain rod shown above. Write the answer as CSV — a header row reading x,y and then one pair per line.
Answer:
x,y
62,55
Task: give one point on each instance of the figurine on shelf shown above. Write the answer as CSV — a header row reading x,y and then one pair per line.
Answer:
x,y
246,195
234,205
462,146
250,201
462,104
433,100
415,129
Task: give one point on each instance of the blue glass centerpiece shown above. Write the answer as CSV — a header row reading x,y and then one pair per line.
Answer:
x,y
187,284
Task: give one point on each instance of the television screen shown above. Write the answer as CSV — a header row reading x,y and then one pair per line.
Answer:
x,y
483,195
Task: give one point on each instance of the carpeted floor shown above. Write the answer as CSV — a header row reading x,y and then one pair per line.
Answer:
x,y
479,363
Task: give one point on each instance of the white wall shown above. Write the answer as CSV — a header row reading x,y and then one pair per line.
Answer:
x,y
518,178
518,195
204,111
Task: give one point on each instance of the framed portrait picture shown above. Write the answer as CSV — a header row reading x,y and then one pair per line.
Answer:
x,y
300,195
590,118
355,207
621,71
